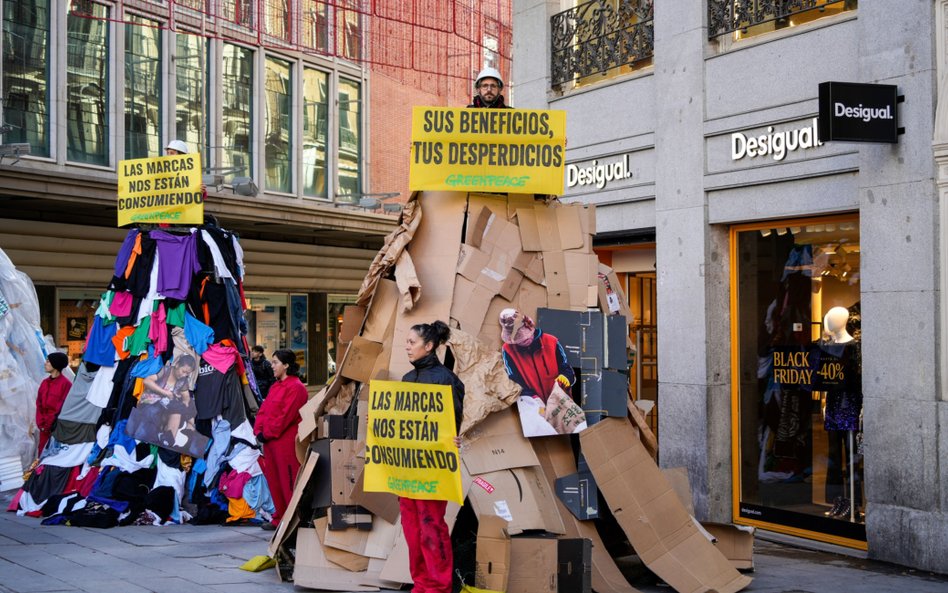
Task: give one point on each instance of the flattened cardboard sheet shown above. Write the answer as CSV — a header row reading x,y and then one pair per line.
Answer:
x,y
520,495
533,565
352,318
497,443
382,504
346,468
650,514
315,571
384,303
436,242
736,542
360,359
348,560
556,459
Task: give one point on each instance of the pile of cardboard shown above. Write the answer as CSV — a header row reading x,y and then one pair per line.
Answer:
x,y
463,258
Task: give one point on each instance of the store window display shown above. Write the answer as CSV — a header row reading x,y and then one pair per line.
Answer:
x,y
798,385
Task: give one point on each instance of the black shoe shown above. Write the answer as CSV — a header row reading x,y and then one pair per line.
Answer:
x,y
837,504
268,526
844,509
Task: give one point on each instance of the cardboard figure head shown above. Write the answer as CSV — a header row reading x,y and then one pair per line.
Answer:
x,y
516,328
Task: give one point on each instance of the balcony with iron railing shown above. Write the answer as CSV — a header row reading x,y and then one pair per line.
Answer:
x,y
600,37
742,16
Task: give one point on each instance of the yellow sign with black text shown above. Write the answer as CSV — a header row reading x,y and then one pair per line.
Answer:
x,y
409,446
489,150
164,189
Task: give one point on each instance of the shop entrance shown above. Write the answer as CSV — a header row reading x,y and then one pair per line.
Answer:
x,y
635,267
797,378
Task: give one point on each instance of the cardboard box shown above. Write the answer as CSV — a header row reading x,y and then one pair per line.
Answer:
x,y
520,495
493,553
574,565
650,514
534,564
736,542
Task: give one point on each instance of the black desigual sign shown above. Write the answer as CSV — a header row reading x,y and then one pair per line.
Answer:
x,y
855,112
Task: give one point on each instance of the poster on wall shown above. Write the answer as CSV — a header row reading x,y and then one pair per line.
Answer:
x,y
298,333
76,328
268,330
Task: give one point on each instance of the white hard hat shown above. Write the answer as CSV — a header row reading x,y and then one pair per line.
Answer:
x,y
177,145
489,73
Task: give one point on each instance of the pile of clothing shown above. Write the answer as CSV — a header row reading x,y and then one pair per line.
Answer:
x,y
157,426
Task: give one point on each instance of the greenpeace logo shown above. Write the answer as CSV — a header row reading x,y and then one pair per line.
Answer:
x,y
866,114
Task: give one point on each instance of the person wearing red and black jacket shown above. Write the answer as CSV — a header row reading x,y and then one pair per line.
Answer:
x,y
534,360
430,555
488,85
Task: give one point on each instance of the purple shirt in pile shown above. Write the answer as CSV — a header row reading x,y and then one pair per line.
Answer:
x,y
177,263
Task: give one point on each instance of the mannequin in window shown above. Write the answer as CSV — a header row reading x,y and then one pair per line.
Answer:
x,y
834,324
839,369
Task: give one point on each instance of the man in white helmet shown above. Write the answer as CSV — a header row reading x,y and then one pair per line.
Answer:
x,y
488,86
176,147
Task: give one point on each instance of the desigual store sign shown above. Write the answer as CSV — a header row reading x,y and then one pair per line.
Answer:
x,y
598,173
775,144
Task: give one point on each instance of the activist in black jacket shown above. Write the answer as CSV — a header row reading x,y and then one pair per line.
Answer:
x,y
430,555
428,369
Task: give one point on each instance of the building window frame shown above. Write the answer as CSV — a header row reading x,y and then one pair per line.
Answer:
x,y
271,137
133,24
74,138
43,144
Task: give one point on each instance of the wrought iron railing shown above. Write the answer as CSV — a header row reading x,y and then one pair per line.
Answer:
x,y
597,36
727,16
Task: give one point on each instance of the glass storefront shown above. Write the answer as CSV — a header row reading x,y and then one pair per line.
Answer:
x,y
796,377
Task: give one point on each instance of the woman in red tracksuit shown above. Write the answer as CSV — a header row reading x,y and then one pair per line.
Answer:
x,y
52,393
430,557
276,427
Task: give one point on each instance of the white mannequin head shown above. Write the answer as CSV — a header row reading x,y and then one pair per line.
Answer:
x,y
834,322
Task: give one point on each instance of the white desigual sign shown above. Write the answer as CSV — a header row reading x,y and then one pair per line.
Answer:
x,y
598,174
775,144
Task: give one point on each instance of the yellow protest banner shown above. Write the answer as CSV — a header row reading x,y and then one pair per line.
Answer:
x,y
490,150
409,447
161,189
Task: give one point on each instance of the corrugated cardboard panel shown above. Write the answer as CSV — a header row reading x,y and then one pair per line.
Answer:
x,y
533,565
348,560
556,459
490,328
346,468
383,504
377,543
529,231
437,243
570,227
383,306
736,543
650,514
531,297
493,553
557,282
497,443
470,304
360,359
521,496
314,570
352,318
471,261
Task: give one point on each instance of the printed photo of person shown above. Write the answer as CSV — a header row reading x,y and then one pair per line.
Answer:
x,y
165,412
537,362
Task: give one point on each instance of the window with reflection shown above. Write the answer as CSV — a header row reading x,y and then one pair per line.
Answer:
x,y
276,19
348,30
142,88
314,27
87,82
799,375
315,131
350,136
190,65
26,73
279,125
236,106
